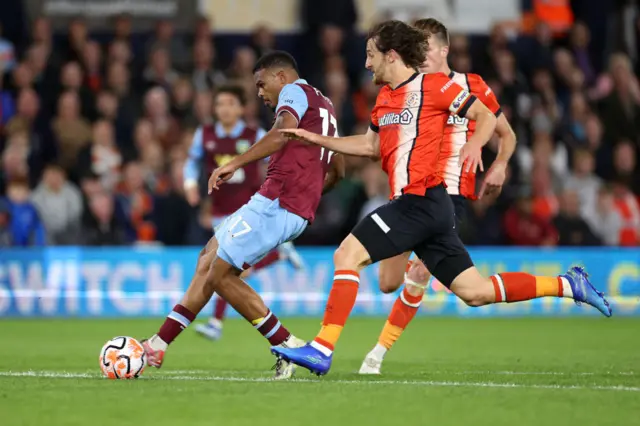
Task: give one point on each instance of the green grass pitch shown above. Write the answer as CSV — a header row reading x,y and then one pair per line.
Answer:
x,y
443,371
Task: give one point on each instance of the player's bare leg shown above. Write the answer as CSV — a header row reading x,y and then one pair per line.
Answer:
x,y
226,281
195,298
212,329
392,275
349,259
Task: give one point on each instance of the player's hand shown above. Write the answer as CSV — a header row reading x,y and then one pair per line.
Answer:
x,y
493,181
300,134
471,157
221,175
192,195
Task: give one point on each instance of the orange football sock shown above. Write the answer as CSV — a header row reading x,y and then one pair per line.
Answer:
x,y
519,286
403,311
342,298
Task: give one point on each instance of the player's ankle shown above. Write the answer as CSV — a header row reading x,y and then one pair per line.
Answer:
x,y
378,352
157,343
215,323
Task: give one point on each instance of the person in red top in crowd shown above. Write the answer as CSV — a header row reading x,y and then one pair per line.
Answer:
x,y
523,227
406,133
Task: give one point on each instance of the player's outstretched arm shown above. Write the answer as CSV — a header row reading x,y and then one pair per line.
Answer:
x,y
367,145
272,141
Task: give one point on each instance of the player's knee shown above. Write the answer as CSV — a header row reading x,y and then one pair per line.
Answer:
x,y
350,255
388,285
473,297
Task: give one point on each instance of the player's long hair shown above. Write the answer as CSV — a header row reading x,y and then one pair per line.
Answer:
x,y
408,42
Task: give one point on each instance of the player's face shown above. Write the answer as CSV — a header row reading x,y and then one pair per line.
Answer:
x,y
269,85
436,56
376,62
228,108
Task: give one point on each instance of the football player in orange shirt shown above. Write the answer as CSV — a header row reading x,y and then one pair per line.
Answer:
x,y
461,186
407,124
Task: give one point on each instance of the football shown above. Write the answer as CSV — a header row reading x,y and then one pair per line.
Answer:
x,y
122,358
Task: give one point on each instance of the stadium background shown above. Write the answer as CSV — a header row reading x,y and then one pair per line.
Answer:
x,y
112,91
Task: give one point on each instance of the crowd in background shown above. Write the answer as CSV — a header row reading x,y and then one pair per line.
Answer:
x,y
95,131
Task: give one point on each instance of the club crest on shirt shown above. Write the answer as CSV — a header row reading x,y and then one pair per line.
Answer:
x,y
242,146
412,100
210,145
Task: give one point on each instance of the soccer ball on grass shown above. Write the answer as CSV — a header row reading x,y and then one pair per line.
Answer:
x,y
122,358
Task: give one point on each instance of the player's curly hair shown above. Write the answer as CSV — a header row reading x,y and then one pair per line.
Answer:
x,y
408,42
434,28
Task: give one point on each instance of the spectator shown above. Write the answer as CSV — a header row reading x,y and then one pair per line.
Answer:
x,y
165,128
628,206
6,238
119,52
621,109
136,205
101,227
579,39
7,105
605,220
202,107
174,214
71,131
573,230
76,39
26,226
59,204
182,101
626,166
7,55
92,64
122,28
584,182
165,40
159,71
262,40
545,202
524,228
39,143
204,75
21,78
14,161
71,78
202,30
102,157
129,104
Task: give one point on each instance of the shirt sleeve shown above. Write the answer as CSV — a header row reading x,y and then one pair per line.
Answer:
x,y
293,100
191,169
487,97
450,96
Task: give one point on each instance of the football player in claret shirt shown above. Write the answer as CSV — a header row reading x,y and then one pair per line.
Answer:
x,y
406,133
297,175
461,186
214,145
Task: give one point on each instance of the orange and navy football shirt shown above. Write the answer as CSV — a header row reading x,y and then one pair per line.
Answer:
x,y
457,133
410,121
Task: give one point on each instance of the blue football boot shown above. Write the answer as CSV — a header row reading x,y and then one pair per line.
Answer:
x,y
584,291
306,356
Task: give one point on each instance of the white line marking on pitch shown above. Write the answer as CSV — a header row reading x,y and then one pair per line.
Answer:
x,y
431,383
